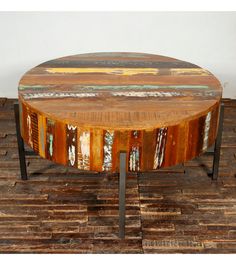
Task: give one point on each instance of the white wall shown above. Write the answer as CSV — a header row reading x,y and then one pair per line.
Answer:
x,y
207,39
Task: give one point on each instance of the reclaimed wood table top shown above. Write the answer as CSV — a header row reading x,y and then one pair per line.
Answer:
x,y
95,105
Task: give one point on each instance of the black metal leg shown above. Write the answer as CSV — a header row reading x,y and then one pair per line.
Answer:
x,y
20,142
216,159
122,189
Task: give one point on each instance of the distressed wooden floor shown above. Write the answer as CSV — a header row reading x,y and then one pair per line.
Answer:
x,y
61,211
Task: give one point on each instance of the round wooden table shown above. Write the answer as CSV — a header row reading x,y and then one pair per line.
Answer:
x,y
82,110
118,112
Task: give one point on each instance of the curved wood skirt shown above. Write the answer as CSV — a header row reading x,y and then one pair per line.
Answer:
x,y
98,149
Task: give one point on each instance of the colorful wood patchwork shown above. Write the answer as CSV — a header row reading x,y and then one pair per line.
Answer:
x,y
82,110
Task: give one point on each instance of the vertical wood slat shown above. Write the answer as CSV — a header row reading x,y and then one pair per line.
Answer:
x,y
83,149
135,150
96,149
192,141
160,147
172,145
23,123
148,147
42,135
214,125
50,139
115,152
181,146
71,145
108,146
124,142
35,131
201,130
27,128
60,143
21,120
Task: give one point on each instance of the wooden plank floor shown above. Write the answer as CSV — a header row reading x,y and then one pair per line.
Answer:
x,y
61,211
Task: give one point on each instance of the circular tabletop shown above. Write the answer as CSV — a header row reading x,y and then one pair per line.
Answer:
x,y
95,105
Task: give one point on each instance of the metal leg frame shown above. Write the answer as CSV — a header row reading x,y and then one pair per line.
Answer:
x,y
21,148
122,190
216,158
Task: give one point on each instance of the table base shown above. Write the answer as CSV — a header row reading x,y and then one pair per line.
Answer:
x,y
123,158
